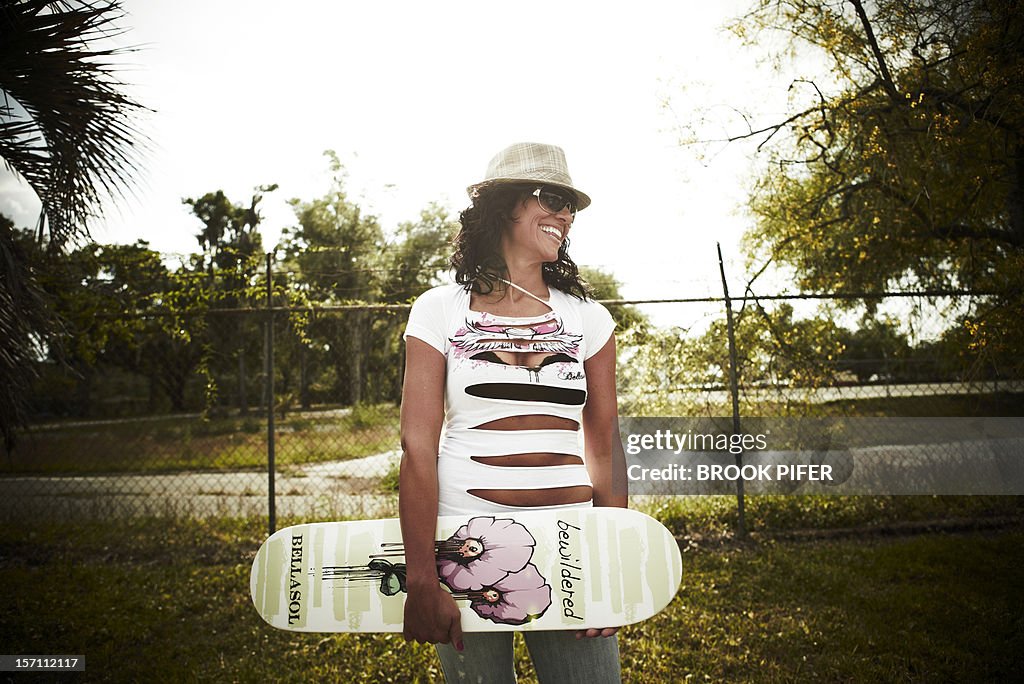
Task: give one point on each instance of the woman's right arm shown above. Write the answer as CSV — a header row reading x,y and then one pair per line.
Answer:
x,y
431,614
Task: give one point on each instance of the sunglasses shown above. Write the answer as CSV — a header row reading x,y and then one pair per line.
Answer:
x,y
553,201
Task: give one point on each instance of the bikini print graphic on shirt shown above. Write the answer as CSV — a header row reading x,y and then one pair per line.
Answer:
x,y
548,335
481,340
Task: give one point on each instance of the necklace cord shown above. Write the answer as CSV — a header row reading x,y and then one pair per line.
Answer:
x,y
523,290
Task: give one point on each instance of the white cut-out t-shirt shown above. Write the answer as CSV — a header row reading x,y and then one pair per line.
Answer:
x,y
482,387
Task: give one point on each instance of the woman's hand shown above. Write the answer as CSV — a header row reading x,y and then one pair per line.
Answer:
x,y
432,617
591,633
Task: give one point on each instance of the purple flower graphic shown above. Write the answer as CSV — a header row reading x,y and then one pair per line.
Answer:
x,y
517,598
482,552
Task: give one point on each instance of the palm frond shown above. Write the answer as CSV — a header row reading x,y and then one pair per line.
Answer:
x,y
66,127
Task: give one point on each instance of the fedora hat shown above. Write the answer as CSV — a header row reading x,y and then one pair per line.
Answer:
x,y
530,163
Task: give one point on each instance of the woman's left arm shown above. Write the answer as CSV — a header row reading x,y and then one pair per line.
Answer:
x,y
606,462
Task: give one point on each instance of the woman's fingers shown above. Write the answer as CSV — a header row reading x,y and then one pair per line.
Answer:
x,y
591,633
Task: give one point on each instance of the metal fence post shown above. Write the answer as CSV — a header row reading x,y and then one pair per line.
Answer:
x,y
269,373
734,392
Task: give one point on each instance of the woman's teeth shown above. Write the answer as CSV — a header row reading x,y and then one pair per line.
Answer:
x,y
553,232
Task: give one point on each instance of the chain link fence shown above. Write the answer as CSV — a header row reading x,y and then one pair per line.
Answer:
x,y
183,422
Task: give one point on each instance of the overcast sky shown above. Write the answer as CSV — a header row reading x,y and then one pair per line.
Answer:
x,y
416,97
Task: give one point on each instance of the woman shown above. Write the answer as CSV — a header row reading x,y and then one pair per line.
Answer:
x,y
512,360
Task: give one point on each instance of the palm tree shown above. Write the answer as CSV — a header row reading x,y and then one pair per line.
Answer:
x,y
66,128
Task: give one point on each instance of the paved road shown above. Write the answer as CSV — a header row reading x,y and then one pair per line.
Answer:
x,y
351,488
978,456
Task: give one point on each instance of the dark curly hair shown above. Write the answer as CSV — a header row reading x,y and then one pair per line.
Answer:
x,y
477,258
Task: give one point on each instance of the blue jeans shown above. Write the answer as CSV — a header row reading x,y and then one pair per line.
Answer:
x,y
558,658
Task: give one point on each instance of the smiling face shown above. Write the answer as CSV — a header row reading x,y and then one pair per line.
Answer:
x,y
535,234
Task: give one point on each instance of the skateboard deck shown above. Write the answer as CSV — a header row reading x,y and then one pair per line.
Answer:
x,y
539,570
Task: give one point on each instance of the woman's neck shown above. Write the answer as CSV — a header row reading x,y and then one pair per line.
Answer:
x,y
528,277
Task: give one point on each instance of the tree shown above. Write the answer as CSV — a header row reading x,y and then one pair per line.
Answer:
x,y
417,255
904,169
120,307
68,130
665,369
604,285
25,323
82,293
876,350
335,246
414,260
774,348
161,312
336,252
230,237
232,257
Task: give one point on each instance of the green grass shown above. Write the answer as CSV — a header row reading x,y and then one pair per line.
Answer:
x,y
168,600
209,445
716,517
931,608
